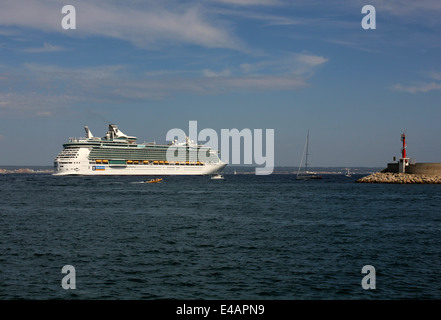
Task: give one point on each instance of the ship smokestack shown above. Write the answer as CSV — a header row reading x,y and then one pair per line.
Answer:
x,y
89,134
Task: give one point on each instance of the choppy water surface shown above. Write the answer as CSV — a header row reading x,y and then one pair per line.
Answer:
x,y
245,237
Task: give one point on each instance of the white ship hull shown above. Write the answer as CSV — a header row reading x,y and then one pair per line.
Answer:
x,y
140,170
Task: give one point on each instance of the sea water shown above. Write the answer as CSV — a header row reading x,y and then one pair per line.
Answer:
x,y
245,237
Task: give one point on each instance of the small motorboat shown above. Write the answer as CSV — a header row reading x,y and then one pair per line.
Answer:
x,y
217,177
153,180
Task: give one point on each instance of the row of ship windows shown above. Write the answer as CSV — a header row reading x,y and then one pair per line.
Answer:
x,y
68,163
139,153
145,162
199,163
149,157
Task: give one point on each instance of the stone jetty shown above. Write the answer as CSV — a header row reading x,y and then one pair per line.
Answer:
x,y
401,178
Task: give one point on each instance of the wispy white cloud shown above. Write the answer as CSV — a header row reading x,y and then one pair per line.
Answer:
x,y
37,89
423,87
426,86
407,8
210,74
310,60
44,90
266,18
56,73
251,2
397,8
399,12
32,104
8,32
359,44
146,24
302,64
435,75
46,48
261,83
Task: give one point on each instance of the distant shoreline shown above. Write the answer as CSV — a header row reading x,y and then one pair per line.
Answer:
x,y
8,169
25,170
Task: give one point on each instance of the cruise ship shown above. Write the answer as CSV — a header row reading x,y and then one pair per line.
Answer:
x,y
119,154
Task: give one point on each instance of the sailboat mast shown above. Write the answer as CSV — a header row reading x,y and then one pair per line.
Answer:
x,y
307,143
307,175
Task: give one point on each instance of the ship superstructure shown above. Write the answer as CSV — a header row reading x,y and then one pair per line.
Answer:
x,y
119,154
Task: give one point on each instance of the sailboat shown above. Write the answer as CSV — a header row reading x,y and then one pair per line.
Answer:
x,y
348,173
306,175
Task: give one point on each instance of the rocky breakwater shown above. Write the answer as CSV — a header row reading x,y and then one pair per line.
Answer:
x,y
401,178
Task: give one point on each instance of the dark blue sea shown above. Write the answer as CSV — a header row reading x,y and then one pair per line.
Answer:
x,y
242,238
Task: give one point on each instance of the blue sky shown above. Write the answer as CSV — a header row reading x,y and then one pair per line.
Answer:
x,y
151,66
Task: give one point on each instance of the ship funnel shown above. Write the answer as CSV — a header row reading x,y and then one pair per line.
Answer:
x,y
115,133
89,134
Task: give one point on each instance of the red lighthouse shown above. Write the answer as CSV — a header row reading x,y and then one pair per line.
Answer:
x,y
403,151
404,161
